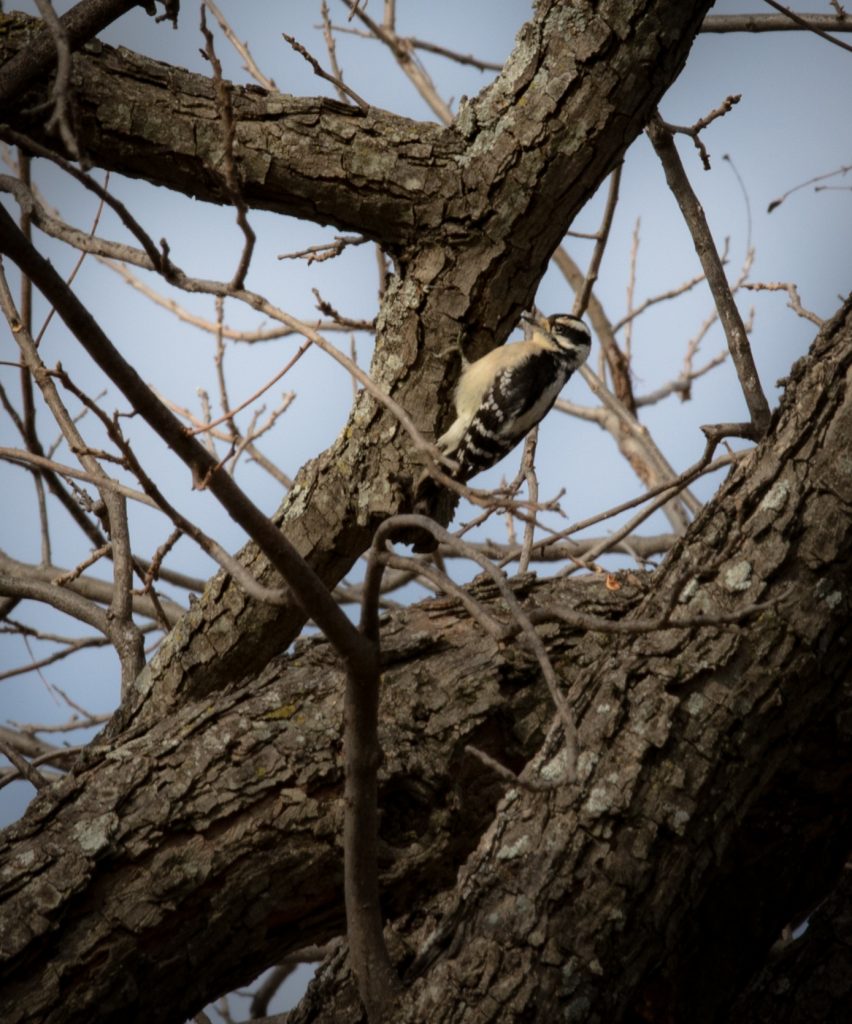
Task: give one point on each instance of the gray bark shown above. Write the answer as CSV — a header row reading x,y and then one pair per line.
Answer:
x,y
199,842
714,800
713,805
471,215
214,837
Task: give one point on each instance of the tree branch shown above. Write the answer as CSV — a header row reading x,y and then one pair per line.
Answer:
x,y
80,24
729,315
308,589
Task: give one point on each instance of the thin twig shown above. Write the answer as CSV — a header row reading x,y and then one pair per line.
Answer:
x,y
340,85
60,92
331,48
454,55
794,301
407,60
230,177
694,131
528,470
663,490
51,659
811,181
308,590
228,415
325,250
640,547
118,625
809,25
270,334
241,48
207,544
444,584
581,299
23,766
408,522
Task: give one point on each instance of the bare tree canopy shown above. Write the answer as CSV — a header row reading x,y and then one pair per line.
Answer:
x,y
593,797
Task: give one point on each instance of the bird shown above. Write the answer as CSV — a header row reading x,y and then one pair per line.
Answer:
x,y
502,396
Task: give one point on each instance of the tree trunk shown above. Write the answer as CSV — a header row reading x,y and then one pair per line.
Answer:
x,y
470,214
713,804
199,841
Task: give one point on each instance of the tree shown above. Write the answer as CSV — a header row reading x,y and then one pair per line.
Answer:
x,y
198,839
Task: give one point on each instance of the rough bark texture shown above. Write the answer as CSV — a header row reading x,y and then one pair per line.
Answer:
x,y
470,213
713,807
714,804
200,841
214,838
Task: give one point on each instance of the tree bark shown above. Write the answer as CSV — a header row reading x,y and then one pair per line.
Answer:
x,y
713,804
470,213
229,813
199,842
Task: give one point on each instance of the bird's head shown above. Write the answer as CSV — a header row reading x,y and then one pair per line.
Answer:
x,y
568,332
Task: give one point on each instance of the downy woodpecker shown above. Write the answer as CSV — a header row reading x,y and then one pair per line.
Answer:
x,y
502,396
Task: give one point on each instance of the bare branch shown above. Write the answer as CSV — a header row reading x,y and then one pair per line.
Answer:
x,y
80,24
60,119
338,83
649,463
729,315
307,588
640,547
581,300
63,600
406,522
229,414
210,546
88,587
230,178
405,57
328,36
682,384
776,23
444,584
672,293
23,766
820,177
694,130
529,474
325,250
794,302
453,55
663,491
271,334
811,26
615,358
71,647
118,625
241,48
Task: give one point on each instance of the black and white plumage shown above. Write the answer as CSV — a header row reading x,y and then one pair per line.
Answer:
x,y
502,396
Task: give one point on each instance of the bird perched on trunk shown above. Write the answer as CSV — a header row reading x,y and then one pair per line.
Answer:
x,y
502,396
499,399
